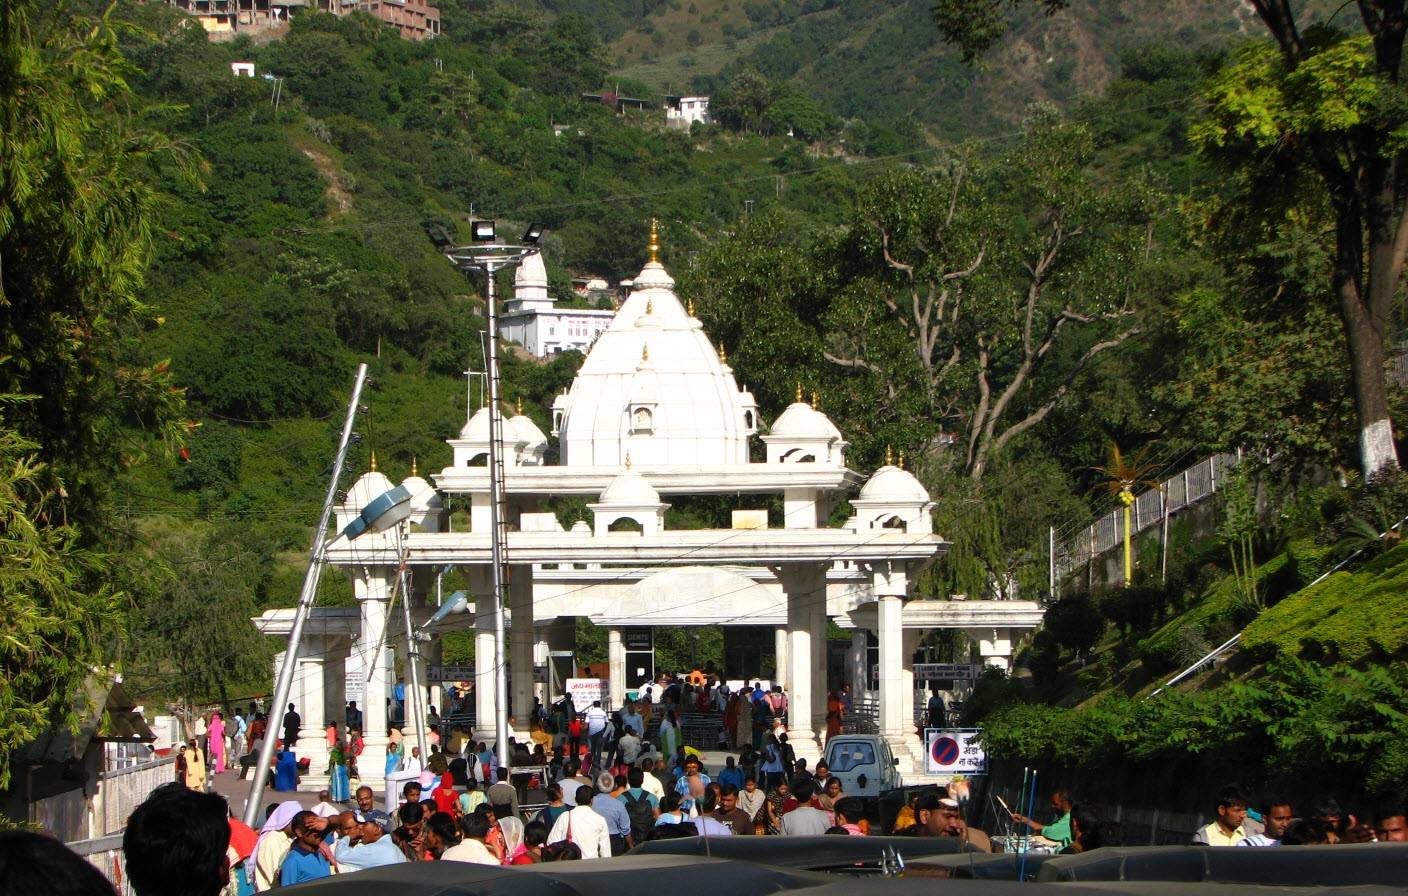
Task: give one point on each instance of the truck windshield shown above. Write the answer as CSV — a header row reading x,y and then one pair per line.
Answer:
x,y
847,756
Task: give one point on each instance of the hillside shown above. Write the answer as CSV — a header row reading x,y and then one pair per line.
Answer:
x,y
885,60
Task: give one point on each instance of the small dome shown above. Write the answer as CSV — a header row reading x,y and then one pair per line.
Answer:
x,y
423,494
370,485
530,281
582,527
629,489
652,276
477,429
802,421
890,484
521,428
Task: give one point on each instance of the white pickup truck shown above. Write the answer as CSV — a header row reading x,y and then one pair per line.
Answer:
x,y
863,763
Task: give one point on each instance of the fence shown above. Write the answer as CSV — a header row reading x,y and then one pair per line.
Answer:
x,y
105,854
1151,507
122,790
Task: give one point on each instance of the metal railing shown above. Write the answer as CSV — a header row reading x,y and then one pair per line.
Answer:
x,y
1196,483
122,790
105,854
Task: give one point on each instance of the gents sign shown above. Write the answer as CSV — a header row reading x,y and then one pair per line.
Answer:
x,y
946,671
449,673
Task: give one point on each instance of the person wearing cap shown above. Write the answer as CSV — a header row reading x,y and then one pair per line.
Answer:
x,y
608,805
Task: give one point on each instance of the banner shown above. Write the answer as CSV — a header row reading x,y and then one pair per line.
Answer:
x,y
449,673
947,671
953,751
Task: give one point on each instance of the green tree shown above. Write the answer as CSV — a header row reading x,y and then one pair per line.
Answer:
x,y
1324,106
75,228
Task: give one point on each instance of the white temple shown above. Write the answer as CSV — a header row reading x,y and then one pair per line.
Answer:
x,y
654,413
532,319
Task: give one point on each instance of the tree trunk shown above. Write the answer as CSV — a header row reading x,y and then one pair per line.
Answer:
x,y
1365,318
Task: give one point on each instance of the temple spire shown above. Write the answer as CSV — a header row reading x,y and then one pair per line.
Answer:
x,y
654,246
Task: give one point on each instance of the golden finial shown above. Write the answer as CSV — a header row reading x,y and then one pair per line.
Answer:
x,y
654,241
649,306
889,456
414,470
799,394
373,460
645,352
518,406
901,460
690,306
628,460
723,354
815,402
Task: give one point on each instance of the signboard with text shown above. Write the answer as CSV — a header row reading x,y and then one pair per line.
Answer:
x,y
449,673
586,691
947,671
953,751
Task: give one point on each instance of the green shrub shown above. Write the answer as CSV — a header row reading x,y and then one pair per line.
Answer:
x,y
1349,616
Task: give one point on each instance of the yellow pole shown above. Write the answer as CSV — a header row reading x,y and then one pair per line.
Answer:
x,y
1127,498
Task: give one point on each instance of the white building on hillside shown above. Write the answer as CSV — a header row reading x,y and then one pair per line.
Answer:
x,y
533,320
683,111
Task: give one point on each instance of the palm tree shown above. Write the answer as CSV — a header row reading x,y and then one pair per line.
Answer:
x,y
1121,478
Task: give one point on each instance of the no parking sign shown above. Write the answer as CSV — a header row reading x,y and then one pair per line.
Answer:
x,y
953,751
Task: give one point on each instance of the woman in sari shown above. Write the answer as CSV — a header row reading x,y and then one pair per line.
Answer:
x,y
446,799
341,783
393,757
286,772
195,768
835,710
512,829
669,735
731,722
216,733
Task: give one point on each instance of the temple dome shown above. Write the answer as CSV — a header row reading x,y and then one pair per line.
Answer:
x,y
629,489
530,281
653,386
521,428
890,484
369,485
801,421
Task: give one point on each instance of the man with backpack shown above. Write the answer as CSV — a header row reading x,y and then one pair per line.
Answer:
x,y
642,806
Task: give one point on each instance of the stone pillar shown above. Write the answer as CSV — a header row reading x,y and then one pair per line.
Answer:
x,y
804,584
857,658
484,664
520,593
371,666
312,736
780,661
799,508
890,586
434,653
819,628
616,666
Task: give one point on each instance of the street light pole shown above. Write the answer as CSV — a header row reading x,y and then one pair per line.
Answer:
x,y
491,256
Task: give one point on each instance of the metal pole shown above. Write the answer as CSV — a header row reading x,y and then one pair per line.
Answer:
x,y
413,661
1051,560
305,603
496,513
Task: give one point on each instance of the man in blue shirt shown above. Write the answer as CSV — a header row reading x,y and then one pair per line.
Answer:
x,y
608,806
632,719
731,774
305,860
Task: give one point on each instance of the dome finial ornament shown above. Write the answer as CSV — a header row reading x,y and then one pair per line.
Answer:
x,y
654,246
645,352
723,354
901,460
649,306
628,460
414,470
518,406
798,400
889,456
690,308
373,460
815,400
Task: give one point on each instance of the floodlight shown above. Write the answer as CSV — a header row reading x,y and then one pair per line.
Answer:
x,y
482,231
533,234
381,513
456,604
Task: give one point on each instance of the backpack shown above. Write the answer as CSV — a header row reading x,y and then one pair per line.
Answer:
x,y
641,815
